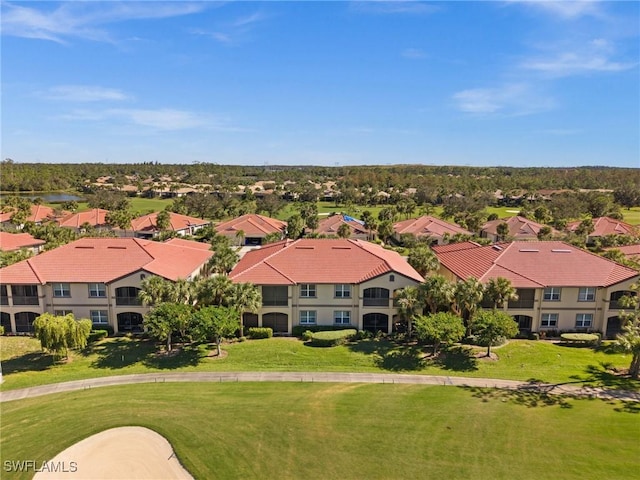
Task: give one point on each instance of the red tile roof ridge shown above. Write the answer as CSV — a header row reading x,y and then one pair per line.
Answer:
x,y
494,263
286,244
35,271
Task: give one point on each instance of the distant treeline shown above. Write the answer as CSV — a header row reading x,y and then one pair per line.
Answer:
x,y
30,177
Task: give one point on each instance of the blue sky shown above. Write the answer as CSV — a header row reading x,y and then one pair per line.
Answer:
x,y
512,83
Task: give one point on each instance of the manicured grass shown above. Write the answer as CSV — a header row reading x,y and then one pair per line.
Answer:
x,y
518,360
292,430
631,216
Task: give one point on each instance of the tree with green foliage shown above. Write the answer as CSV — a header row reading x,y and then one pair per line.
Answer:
x,y
245,297
408,300
295,226
467,296
163,220
423,260
215,323
344,230
223,260
502,229
9,258
490,326
59,334
439,328
436,293
119,218
214,290
499,291
155,290
629,339
167,318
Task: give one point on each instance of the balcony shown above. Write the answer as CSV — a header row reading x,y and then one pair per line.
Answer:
x,y
127,296
24,300
376,297
525,299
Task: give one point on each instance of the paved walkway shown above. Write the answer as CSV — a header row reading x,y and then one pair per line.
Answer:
x,y
319,377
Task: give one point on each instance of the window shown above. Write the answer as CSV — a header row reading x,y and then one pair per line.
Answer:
x,y
552,294
61,290
4,297
549,320
343,290
275,296
376,297
62,313
307,317
392,278
342,317
584,320
25,294
99,317
97,290
307,290
587,294
127,296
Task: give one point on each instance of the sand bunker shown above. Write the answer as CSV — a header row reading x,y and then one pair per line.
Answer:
x,y
129,453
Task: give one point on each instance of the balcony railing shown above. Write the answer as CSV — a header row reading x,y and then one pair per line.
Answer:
x,y
21,300
524,303
275,302
375,302
125,301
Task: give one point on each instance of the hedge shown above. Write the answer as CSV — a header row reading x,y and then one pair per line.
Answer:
x,y
260,332
581,338
332,338
96,335
298,330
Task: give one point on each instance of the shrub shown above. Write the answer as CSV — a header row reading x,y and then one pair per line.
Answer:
x,y
332,338
260,332
587,339
97,335
1,330
307,335
298,330
534,336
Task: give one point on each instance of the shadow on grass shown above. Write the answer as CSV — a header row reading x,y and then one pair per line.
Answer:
x,y
397,356
527,396
605,375
123,352
29,362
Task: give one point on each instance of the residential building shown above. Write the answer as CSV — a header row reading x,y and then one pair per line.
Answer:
x,y
95,218
10,242
630,252
560,287
146,226
95,278
518,228
435,230
39,214
330,226
604,226
251,229
325,282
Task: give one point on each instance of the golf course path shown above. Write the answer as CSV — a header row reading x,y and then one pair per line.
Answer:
x,y
322,377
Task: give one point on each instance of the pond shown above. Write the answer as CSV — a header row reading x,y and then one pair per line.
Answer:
x,y
47,197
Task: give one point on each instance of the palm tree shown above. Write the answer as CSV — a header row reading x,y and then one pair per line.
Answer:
x,y
163,220
500,291
423,260
344,230
154,290
222,261
214,290
502,230
466,298
240,237
183,291
436,292
245,297
407,300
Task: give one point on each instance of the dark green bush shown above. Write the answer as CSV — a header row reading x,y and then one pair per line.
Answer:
x,y
298,330
534,336
307,335
260,332
97,335
332,338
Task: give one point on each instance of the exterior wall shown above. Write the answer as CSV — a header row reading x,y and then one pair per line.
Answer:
x,y
12,309
325,303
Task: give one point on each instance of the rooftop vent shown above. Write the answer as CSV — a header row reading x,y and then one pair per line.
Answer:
x,y
529,250
341,248
304,248
560,250
117,248
497,247
85,247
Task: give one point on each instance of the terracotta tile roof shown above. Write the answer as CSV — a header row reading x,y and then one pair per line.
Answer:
x,y
330,225
181,242
94,217
16,241
605,226
39,213
535,264
428,226
252,225
520,228
628,251
319,261
177,222
104,260
452,247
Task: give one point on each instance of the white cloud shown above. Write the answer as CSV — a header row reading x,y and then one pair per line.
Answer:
x,y
413,53
564,9
84,93
233,32
508,100
83,19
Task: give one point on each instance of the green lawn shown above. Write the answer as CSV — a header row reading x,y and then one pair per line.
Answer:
x,y
631,216
24,365
347,431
